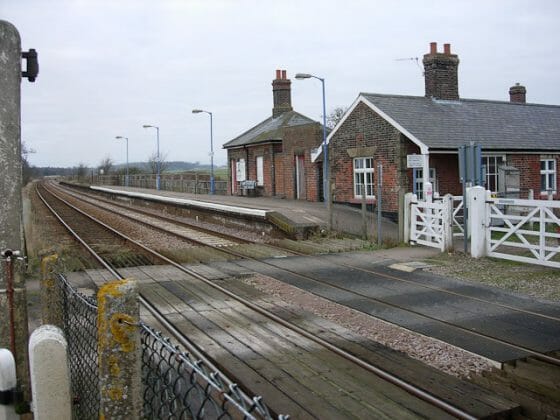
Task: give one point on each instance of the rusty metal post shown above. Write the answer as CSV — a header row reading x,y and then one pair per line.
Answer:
x,y
11,209
119,350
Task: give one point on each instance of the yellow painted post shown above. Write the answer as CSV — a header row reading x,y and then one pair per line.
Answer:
x,y
51,302
119,350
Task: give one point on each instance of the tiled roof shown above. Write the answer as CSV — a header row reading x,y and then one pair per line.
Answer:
x,y
494,125
270,129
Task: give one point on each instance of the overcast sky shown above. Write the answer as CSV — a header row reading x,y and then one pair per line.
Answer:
x,y
109,66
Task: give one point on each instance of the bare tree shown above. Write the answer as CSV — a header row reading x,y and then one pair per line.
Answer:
x,y
335,116
26,168
106,165
152,163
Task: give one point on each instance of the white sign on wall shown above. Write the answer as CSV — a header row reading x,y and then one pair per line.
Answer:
x,y
414,161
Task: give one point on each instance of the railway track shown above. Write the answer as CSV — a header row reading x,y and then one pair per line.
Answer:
x,y
426,398
396,283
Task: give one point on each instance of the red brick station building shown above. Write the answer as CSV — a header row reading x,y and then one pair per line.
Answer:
x,y
283,152
276,153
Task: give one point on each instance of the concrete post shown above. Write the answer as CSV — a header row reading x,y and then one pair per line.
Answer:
x,y
477,221
447,202
11,209
7,385
51,300
409,198
119,350
50,374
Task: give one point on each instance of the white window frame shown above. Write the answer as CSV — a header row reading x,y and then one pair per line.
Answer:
x,y
489,175
361,170
240,165
260,170
419,187
550,176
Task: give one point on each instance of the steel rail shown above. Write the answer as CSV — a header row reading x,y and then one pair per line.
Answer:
x,y
532,352
387,376
365,270
177,335
155,215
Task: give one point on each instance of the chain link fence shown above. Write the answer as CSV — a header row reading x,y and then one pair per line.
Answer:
x,y
175,385
79,314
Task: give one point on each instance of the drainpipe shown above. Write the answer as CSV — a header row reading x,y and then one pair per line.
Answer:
x,y
273,171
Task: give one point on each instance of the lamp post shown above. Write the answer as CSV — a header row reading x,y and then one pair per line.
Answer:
x,y
157,157
326,183
126,176
198,111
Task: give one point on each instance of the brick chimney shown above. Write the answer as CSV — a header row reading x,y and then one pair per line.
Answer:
x,y
282,94
517,93
440,73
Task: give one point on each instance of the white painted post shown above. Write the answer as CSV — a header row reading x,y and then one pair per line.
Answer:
x,y
7,385
50,375
409,198
477,221
531,196
447,203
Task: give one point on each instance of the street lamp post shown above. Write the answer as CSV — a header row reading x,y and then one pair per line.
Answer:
x,y
126,176
198,111
157,157
326,183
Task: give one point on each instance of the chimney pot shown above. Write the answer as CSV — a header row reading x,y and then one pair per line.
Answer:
x,y
281,94
441,73
433,48
517,94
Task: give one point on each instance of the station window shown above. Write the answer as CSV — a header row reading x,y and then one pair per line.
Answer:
x,y
492,163
363,177
418,175
548,175
260,171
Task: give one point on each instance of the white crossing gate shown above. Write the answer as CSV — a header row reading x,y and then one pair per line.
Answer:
x,y
430,223
523,230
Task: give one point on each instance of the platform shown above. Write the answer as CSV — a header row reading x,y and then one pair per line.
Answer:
x,y
298,216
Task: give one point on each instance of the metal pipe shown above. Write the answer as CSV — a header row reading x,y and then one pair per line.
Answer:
x,y
10,296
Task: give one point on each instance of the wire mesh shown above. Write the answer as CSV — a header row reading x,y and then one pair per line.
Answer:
x,y
80,327
176,386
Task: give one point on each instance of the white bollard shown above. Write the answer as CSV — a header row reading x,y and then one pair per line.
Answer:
x,y
477,221
50,375
7,385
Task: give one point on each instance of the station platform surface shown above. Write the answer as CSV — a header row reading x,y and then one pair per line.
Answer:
x,y
346,219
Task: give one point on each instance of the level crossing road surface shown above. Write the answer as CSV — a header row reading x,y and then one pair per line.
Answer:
x,y
403,299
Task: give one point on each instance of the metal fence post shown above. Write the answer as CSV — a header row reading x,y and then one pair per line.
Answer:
x,y
447,222
119,350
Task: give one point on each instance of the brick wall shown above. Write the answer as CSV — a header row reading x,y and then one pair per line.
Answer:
x,y
365,134
299,141
530,173
279,169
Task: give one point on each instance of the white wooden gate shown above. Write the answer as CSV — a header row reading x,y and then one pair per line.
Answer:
x,y
430,224
523,230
